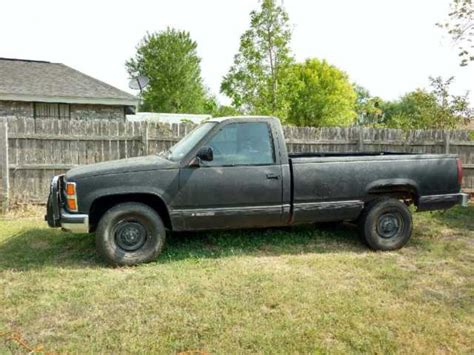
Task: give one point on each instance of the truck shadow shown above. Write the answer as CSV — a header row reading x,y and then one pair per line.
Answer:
x,y
264,242
39,247
456,218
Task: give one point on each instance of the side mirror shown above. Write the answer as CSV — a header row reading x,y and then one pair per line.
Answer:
x,y
205,154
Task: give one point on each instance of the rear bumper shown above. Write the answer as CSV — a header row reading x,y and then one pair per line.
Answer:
x,y
441,202
57,216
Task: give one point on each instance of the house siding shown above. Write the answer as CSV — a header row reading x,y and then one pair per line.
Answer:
x,y
16,109
22,109
99,112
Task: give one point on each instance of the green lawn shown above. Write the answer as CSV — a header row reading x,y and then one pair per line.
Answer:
x,y
307,289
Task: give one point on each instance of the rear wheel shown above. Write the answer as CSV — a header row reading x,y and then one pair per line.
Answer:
x,y
386,224
130,233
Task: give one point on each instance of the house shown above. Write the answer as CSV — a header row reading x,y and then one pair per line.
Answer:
x,y
39,89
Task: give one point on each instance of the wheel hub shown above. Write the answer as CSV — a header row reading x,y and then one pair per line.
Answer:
x,y
130,236
389,225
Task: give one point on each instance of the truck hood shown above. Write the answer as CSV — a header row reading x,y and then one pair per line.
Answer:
x,y
150,162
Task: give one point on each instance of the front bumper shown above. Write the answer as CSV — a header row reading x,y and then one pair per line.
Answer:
x,y
75,223
57,216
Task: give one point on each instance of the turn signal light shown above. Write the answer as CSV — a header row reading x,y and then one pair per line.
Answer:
x,y
71,204
71,198
70,188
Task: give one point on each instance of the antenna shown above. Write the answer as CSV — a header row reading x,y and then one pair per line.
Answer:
x,y
138,83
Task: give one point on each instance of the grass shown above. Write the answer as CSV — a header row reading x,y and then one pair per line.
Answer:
x,y
305,289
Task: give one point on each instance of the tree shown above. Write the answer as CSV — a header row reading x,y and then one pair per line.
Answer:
x,y
214,108
414,110
434,109
169,59
256,82
322,95
460,26
369,109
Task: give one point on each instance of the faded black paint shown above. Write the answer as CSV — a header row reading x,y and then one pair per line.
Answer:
x,y
295,189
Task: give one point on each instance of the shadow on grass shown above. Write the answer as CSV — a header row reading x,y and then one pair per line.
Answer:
x,y
263,242
38,248
456,218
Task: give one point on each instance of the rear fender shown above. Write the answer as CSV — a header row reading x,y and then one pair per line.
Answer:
x,y
388,186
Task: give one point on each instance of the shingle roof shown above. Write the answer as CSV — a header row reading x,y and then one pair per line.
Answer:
x,y
28,80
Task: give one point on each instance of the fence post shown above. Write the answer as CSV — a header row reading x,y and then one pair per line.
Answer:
x,y
361,139
446,141
145,138
4,165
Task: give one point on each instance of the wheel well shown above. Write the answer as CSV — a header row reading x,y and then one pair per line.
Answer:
x,y
103,204
407,193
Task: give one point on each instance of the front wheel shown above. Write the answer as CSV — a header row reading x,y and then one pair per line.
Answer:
x,y
386,224
130,233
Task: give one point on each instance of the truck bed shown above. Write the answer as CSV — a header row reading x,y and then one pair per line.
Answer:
x,y
325,184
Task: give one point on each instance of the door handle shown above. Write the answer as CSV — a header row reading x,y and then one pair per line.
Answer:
x,y
273,176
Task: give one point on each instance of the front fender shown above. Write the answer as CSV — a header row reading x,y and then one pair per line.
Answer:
x,y
163,184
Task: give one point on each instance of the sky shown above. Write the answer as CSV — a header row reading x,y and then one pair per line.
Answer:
x,y
388,46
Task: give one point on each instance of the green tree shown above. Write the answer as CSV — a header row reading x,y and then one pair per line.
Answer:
x,y
214,108
460,27
369,109
414,110
322,95
256,82
434,109
225,110
169,59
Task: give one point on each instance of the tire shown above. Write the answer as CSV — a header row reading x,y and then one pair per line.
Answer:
x,y
130,233
386,224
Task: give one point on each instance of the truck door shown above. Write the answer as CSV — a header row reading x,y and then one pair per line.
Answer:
x,y
241,186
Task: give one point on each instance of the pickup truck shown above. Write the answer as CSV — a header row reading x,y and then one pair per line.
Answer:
x,y
236,172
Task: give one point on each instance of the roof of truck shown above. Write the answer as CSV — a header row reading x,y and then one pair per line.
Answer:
x,y
243,117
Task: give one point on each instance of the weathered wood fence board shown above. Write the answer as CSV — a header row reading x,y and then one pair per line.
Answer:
x,y
32,151
4,175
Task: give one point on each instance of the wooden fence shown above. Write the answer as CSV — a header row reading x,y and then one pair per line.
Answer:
x,y
32,151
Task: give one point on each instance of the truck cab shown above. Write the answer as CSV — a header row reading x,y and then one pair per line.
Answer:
x,y
239,173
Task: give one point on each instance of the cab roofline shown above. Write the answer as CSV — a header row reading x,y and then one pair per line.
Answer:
x,y
236,118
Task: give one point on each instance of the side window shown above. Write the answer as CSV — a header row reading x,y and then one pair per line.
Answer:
x,y
242,144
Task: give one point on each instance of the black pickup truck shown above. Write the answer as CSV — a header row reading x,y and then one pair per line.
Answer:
x,y
236,172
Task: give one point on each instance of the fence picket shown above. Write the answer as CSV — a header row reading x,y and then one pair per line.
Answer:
x,y
38,149
4,171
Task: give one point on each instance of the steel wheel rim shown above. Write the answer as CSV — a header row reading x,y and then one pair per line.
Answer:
x,y
130,235
389,225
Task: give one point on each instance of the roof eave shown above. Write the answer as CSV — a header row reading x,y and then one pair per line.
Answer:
x,y
70,100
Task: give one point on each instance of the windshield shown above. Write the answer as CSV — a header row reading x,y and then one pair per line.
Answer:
x,y
184,146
